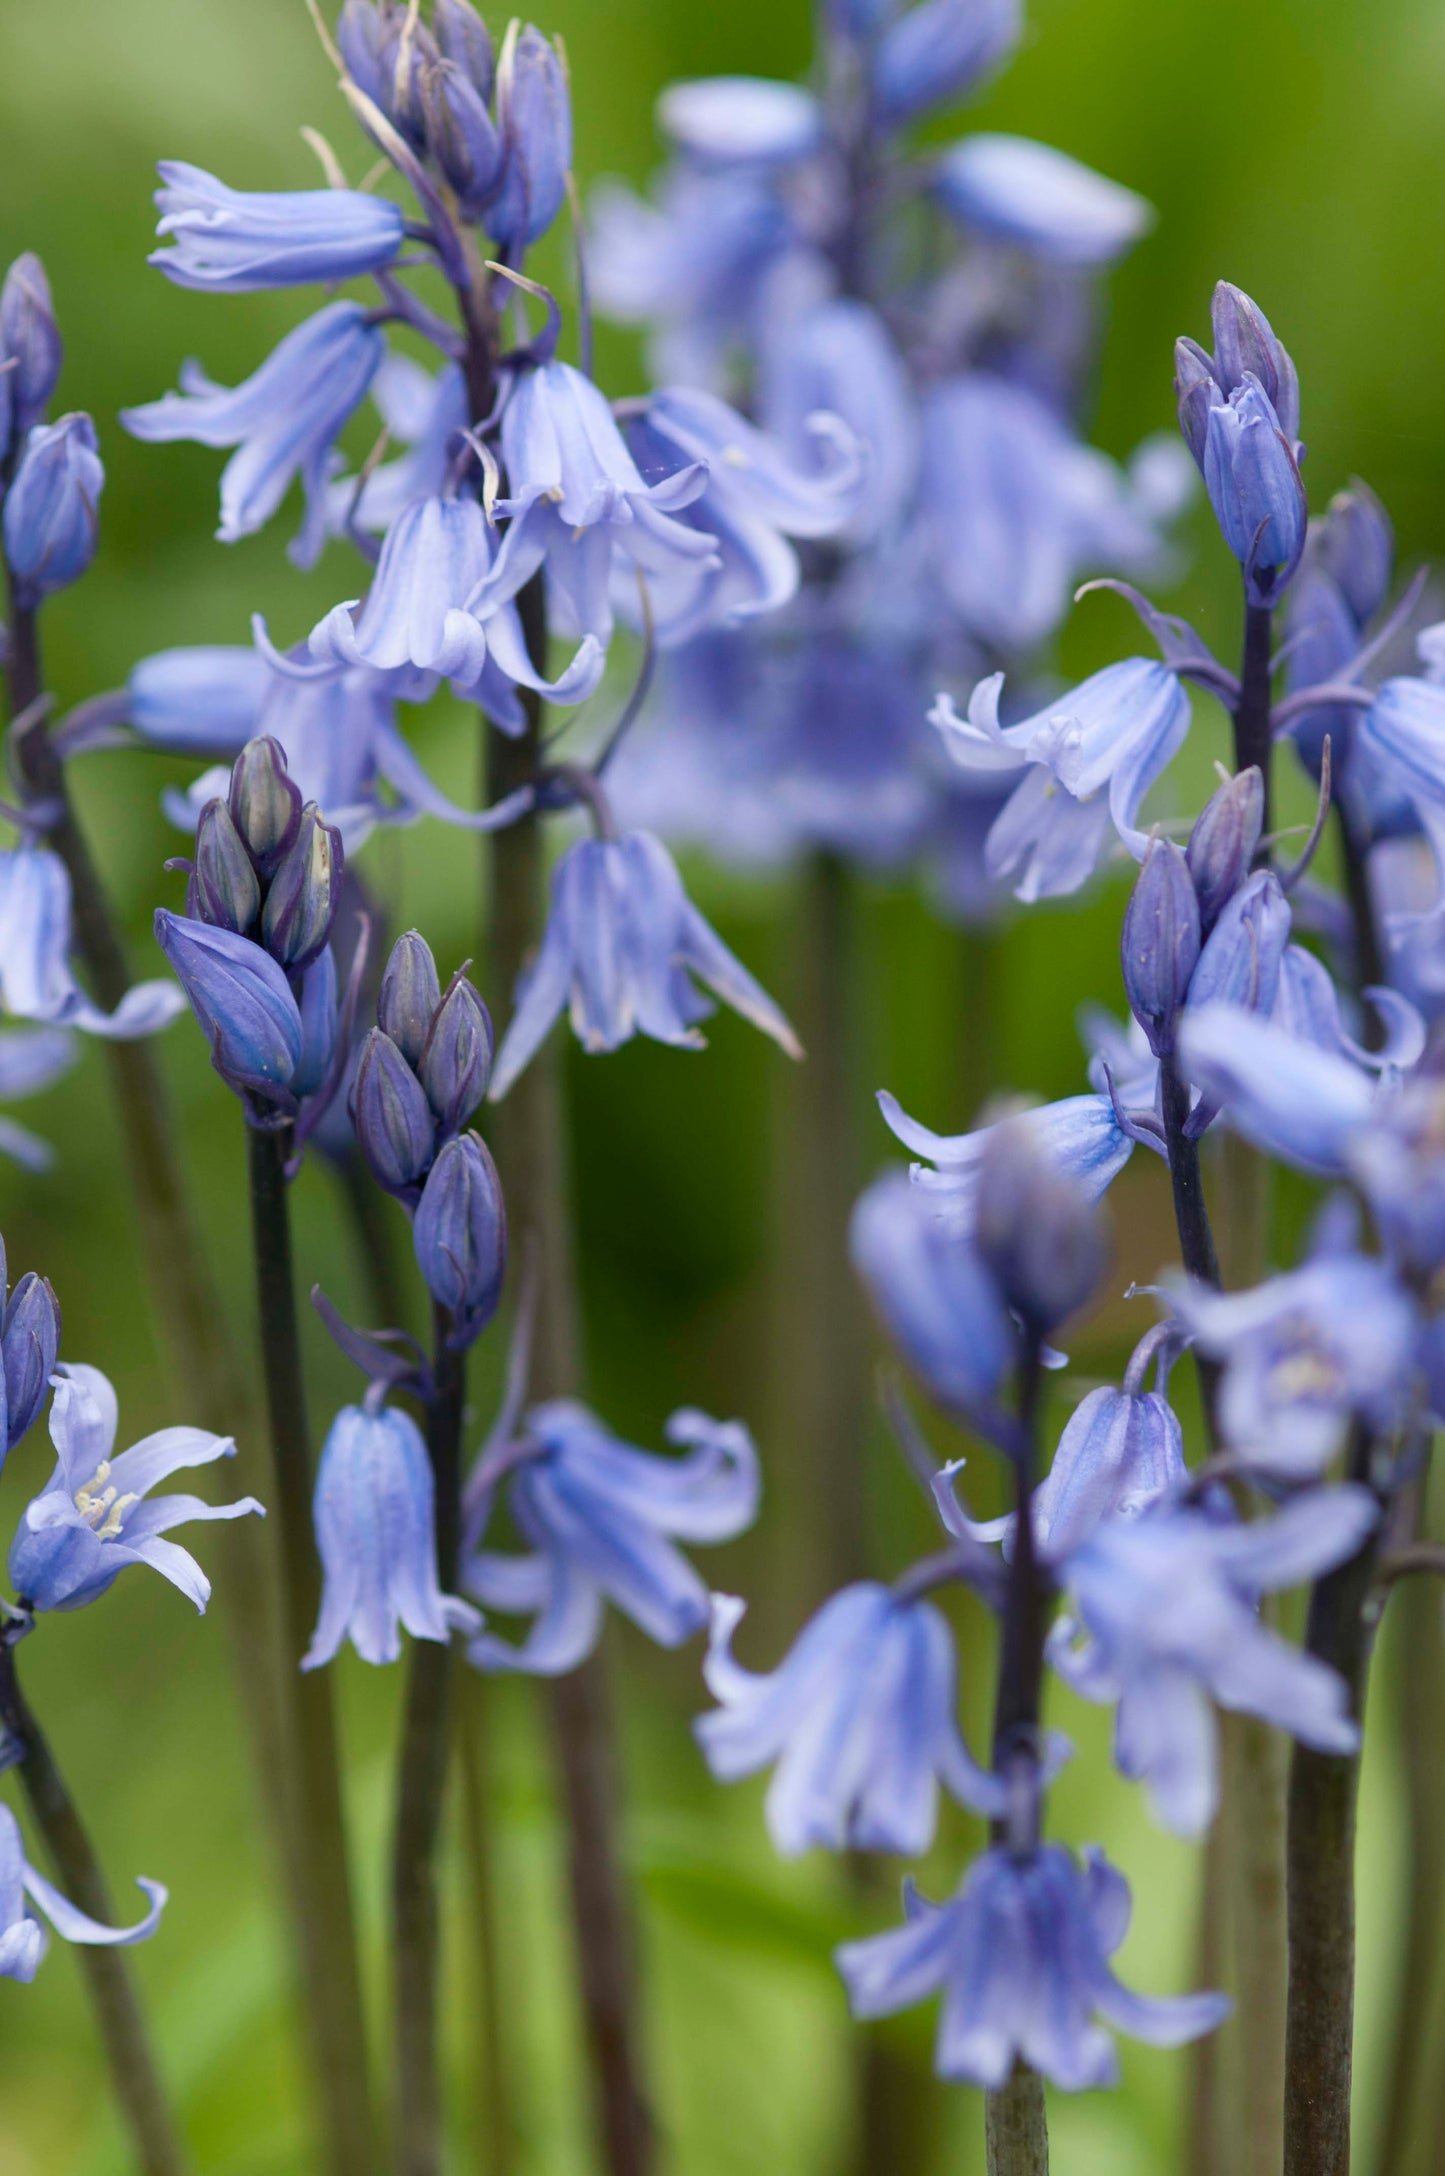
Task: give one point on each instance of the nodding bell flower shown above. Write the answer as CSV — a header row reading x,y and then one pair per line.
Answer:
x,y
1039,1230
23,1940
933,1290
1307,1105
1080,1136
1166,1620
236,243
375,1513
30,344
459,1236
52,509
1088,758
622,944
603,1521
857,1722
1021,1957
939,50
284,420
93,1520
534,119
36,982
1034,198
29,1342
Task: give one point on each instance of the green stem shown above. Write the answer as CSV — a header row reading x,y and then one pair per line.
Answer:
x,y
321,1896
495,2122
425,1756
1015,2127
531,1154
135,2076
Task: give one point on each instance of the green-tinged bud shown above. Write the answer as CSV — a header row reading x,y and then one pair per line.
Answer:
x,y
301,903
264,801
224,890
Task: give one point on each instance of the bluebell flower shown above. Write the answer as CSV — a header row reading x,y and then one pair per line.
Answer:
x,y
1304,1354
1014,510
1088,759
1032,197
426,413
1251,473
839,358
437,554
52,509
1021,1957
459,1236
1244,952
757,497
534,117
1281,1091
622,945
1246,349
1038,1227
36,982
930,1285
243,1002
376,1532
603,1521
1402,737
92,1520
858,1723
1081,1136
1396,1162
939,50
207,698
741,120
29,1342
23,1940
1167,1620
232,242
31,1059
30,343
284,419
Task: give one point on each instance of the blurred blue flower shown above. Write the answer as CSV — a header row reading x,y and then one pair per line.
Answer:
x,y
858,1721
23,1940
939,50
534,118
1036,198
622,944
1081,1137
232,242
30,1059
1021,1958
839,358
30,343
602,1519
376,1533
741,120
92,1520
52,508
1282,1092
284,419
36,982
930,1285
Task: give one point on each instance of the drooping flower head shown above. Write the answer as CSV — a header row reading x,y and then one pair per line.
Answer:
x,y
23,1940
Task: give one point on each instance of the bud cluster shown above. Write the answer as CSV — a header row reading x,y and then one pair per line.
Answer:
x,y
52,471
422,1071
1239,412
497,132
29,1342
1202,924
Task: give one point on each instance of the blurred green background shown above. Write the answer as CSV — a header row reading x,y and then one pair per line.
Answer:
x,y
1297,151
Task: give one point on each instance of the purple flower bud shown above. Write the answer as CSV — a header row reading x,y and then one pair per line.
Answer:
x,y
460,1236
463,39
1240,962
242,1001
1251,473
1355,545
410,995
406,63
223,889
1042,1237
30,341
1223,842
301,903
52,509
392,1117
1245,346
939,50
457,1061
265,804
1160,943
534,113
319,1016
29,1342
362,35
1196,389
462,137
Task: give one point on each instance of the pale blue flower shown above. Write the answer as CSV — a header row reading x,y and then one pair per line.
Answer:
x,y
1081,1136
23,1940
940,50
741,120
930,1285
52,508
1282,1092
1036,198
839,358
232,242
36,982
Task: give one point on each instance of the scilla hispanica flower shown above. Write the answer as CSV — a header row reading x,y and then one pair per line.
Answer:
x,y
93,1520
30,344
23,1940
375,1528
52,508
36,980
603,1521
235,242
29,1343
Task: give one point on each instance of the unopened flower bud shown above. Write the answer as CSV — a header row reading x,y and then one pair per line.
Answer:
x,y
242,1001
301,903
460,1236
1240,962
462,137
52,509
319,1017
410,995
1196,389
362,35
392,1117
534,114
29,1342
1160,942
1044,1240
223,889
406,61
1355,545
1253,480
1223,843
264,801
29,342
463,39
1245,346
457,1061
